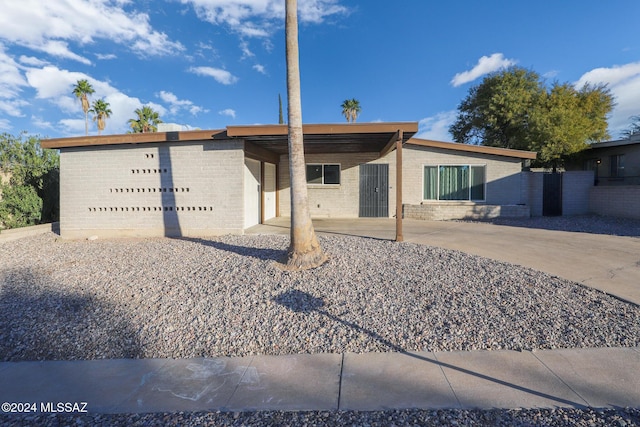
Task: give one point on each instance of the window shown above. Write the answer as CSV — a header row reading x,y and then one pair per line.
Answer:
x,y
323,174
617,166
464,182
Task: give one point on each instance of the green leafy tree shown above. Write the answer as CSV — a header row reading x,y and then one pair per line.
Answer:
x,y
496,112
101,112
147,120
565,120
351,109
634,128
280,116
82,90
513,108
31,193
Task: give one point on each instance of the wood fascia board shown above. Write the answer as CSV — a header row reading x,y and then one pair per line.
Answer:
x,y
505,152
258,153
128,138
391,144
322,129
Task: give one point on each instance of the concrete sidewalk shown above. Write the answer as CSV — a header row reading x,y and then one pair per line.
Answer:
x,y
574,378
608,263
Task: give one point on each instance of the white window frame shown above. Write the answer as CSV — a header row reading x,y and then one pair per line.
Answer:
x,y
323,184
470,165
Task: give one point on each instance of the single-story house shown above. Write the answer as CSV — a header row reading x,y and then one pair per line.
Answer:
x,y
612,162
212,182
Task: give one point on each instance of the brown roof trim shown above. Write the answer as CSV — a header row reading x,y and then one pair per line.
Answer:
x,y
130,138
520,154
323,129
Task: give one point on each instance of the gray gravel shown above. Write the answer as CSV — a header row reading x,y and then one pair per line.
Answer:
x,y
505,418
180,298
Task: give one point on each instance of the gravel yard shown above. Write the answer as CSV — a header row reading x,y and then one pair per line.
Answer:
x,y
181,298
67,300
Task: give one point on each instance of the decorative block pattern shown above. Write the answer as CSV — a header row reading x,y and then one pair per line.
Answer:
x,y
158,189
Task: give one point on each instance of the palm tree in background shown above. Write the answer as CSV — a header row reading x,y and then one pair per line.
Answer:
x,y
147,121
82,90
351,109
101,112
304,250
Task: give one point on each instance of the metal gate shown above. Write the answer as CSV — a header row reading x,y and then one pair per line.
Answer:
x,y
552,194
374,190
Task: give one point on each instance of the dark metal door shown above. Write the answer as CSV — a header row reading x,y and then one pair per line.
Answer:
x,y
552,194
374,190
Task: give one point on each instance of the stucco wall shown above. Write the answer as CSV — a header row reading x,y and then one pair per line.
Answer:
x,y
189,189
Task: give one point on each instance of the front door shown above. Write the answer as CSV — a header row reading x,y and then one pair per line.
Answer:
x,y
374,190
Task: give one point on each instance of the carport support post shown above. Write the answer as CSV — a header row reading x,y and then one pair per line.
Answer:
x,y
399,237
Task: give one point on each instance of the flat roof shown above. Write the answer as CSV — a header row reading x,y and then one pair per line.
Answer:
x,y
328,138
130,138
318,138
481,149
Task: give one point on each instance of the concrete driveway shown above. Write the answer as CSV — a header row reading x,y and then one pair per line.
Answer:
x,y
608,263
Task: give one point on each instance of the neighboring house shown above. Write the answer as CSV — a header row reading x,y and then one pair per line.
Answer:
x,y
203,183
613,162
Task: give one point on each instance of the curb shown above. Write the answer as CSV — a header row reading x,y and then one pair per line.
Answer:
x,y
19,233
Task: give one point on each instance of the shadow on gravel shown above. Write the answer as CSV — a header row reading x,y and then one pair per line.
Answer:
x,y
303,302
264,254
37,322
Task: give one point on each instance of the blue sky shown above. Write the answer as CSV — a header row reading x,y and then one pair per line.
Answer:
x,y
212,63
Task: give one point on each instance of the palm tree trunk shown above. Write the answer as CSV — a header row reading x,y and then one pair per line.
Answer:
x,y
304,250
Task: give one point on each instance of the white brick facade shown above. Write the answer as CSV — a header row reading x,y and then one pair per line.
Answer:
x,y
152,189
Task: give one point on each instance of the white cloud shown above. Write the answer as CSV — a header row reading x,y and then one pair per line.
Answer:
x,y
624,83
228,112
175,104
56,85
32,61
5,125
106,57
11,79
260,68
437,127
221,76
246,52
53,25
259,18
485,65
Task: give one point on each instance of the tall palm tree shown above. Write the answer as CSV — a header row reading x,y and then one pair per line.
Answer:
x,y
82,90
147,121
351,109
102,112
304,250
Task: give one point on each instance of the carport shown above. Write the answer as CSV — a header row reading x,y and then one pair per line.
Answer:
x,y
267,143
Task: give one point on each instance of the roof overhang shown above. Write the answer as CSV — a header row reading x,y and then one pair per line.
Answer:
x,y
318,138
327,138
480,149
130,138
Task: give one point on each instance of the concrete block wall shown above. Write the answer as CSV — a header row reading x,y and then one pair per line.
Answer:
x,y
172,189
463,210
576,186
336,201
534,191
502,173
619,201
